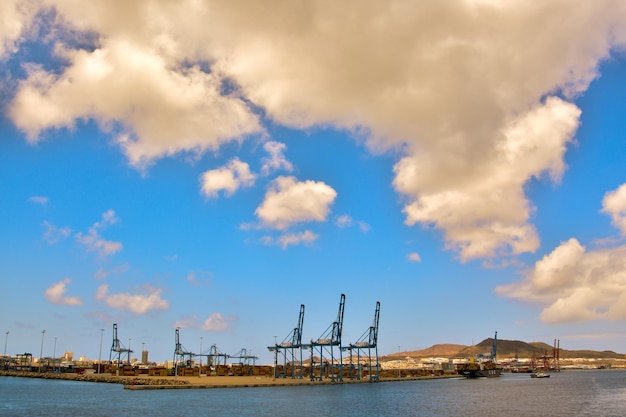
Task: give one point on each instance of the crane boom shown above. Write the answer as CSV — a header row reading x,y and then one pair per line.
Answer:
x,y
338,325
374,329
297,332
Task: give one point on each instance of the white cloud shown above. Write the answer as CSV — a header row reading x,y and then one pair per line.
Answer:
x,y
191,277
134,303
39,200
288,239
227,178
54,234
15,17
199,278
213,323
94,242
481,205
56,294
101,292
345,221
217,323
189,322
414,257
614,203
101,273
156,107
575,284
289,201
277,159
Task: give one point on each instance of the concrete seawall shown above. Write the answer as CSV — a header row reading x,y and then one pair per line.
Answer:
x,y
205,382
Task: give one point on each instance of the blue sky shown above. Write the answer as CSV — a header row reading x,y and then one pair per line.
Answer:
x,y
198,165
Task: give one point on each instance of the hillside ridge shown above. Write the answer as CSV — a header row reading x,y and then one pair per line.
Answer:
x,y
506,349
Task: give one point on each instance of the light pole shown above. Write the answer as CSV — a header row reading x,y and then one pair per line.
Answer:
x,y
6,339
100,354
43,333
54,355
129,350
276,360
201,337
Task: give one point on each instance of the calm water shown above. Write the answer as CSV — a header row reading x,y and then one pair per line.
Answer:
x,y
569,393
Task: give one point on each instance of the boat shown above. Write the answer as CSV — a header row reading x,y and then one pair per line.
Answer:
x,y
479,367
539,374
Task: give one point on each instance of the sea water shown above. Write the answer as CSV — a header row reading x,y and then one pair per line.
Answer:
x,y
567,393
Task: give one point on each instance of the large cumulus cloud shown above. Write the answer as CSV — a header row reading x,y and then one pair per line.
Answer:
x,y
575,284
466,90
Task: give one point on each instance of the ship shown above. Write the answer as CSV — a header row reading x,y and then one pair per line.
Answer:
x,y
480,367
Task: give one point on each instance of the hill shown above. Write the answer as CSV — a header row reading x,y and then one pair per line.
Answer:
x,y
506,349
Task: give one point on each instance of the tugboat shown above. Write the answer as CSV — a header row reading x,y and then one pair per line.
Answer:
x,y
482,368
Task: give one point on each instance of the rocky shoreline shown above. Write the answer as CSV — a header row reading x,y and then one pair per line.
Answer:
x,y
106,378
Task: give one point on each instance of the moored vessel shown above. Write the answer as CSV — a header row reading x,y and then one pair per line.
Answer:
x,y
480,367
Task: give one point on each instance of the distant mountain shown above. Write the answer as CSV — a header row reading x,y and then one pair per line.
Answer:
x,y
506,349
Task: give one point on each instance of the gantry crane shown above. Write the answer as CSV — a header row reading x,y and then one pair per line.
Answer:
x,y
244,357
330,339
118,348
288,349
214,355
369,341
180,354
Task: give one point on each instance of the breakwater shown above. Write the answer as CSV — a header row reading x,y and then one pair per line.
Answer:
x,y
105,378
151,382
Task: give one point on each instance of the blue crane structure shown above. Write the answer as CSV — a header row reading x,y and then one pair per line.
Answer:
x,y
289,349
118,348
214,356
329,340
494,348
244,357
368,341
180,354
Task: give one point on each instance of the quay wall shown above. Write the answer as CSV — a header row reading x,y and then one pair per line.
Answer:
x,y
195,382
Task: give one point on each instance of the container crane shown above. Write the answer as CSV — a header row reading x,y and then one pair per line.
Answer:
x,y
117,348
288,348
329,339
494,348
369,341
180,354
245,358
213,358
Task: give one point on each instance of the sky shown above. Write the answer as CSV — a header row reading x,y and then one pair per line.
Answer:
x,y
211,166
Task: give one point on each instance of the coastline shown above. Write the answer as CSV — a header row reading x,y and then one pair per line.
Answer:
x,y
200,382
